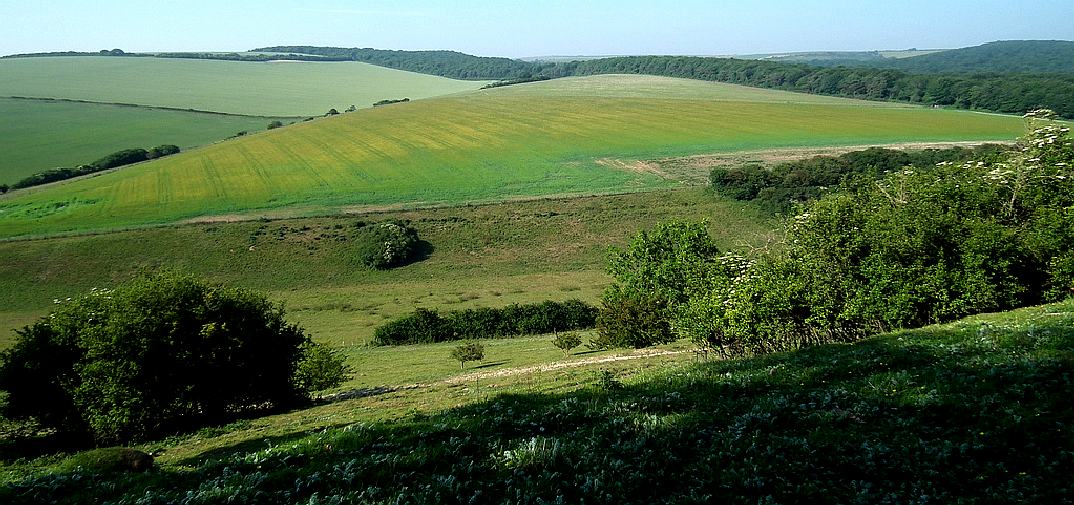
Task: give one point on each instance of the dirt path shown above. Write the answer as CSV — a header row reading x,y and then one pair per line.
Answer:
x,y
506,372
559,365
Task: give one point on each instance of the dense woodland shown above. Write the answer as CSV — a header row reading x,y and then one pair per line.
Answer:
x,y
1007,56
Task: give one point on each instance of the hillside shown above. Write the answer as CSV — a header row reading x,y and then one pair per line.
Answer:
x,y
1007,56
984,403
41,134
492,255
288,88
523,141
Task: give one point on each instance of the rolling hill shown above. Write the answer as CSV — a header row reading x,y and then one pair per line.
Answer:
x,y
286,88
522,141
1007,56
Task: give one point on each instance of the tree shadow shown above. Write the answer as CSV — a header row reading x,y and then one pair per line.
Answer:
x,y
488,365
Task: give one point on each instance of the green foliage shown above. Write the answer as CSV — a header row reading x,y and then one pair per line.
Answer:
x,y
320,368
387,245
275,124
425,326
162,151
778,189
658,270
1004,56
120,158
470,351
567,341
164,353
632,319
913,248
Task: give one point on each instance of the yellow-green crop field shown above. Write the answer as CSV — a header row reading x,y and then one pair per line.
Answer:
x,y
37,135
477,147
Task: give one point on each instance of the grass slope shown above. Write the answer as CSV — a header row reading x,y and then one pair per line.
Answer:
x,y
976,411
524,141
37,135
482,256
262,89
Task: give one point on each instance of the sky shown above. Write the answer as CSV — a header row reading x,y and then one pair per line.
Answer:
x,y
522,28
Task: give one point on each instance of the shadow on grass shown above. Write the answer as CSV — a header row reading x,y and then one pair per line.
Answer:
x,y
489,365
856,423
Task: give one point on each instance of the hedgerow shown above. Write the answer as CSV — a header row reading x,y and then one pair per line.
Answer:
x,y
425,326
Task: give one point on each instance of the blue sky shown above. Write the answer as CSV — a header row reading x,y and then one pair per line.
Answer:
x,y
529,28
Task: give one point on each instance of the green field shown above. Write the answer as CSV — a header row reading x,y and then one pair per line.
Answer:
x,y
523,141
252,88
37,135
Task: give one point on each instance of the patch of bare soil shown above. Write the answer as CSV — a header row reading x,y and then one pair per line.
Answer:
x,y
695,169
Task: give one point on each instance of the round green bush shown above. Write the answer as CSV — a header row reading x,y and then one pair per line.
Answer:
x,y
386,245
162,354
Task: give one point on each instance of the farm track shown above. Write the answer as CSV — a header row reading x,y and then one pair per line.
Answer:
x,y
506,372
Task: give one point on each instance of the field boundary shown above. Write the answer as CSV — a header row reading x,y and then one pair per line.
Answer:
x,y
144,106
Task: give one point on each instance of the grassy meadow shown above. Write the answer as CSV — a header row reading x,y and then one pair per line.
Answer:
x,y
252,88
524,141
490,255
38,135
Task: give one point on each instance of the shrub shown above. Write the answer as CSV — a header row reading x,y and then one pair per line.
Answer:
x,y
387,245
275,124
320,368
120,158
567,341
4,188
162,151
629,319
470,351
161,354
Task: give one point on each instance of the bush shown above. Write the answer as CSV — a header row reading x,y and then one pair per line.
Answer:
x,y
387,245
320,368
162,151
120,158
470,351
567,341
4,188
425,326
162,354
275,124
632,320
